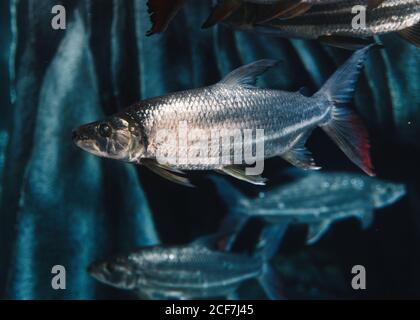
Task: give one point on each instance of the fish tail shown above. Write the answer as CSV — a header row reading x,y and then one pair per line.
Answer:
x,y
235,220
267,247
271,283
345,128
270,240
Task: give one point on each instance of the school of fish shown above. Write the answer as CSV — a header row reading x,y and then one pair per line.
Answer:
x,y
209,267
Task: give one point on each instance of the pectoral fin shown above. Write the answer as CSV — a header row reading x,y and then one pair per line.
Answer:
x,y
166,172
222,11
317,230
239,173
161,14
412,34
285,10
299,156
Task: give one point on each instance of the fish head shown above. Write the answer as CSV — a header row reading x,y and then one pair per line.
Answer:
x,y
385,193
119,273
117,137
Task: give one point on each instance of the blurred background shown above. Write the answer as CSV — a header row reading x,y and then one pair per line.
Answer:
x,y
60,205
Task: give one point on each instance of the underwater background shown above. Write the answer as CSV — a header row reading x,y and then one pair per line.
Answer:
x,y
59,205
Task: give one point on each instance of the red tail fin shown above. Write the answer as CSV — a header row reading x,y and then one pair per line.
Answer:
x,y
345,127
349,133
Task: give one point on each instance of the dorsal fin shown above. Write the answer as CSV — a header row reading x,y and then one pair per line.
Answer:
x,y
247,75
305,91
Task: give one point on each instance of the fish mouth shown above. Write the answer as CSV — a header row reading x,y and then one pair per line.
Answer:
x,y
87,144
98,272
78,135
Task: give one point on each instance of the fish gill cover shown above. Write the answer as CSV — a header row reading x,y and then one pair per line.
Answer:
x,y
61,206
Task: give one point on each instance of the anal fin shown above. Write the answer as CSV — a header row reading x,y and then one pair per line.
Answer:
x,y
299,156
412,34
239,173
366,217
233,296
317,230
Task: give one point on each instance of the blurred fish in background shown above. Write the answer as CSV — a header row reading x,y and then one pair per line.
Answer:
x,y
201,269
333,24
317,199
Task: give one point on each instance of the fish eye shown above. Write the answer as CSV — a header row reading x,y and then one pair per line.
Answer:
x,y
104,130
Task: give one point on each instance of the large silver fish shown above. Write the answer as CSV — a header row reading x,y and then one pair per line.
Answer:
x,y
317,199
334,22
232,105
196,270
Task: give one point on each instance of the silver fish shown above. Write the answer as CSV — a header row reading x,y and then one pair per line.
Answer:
x,y
272,9
287,118
195,270
335,20
317,199
163,11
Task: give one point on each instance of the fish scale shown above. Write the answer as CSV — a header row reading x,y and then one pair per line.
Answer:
x,y
193,269
219,107
317,199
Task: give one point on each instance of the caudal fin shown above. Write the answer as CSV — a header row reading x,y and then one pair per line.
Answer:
x,y
270,240
235,219
271,283
345,127
267,247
